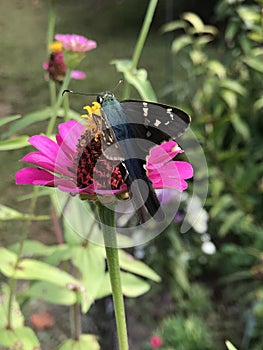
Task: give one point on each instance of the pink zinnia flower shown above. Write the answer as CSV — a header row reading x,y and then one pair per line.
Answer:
x,y
75,43
75,163
156,341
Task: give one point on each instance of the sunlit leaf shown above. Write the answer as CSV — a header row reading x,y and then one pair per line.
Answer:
x,y
240,126
173,26
19,338
33,248
234,86
51,293
7,213
132,286
35,117
254,63
195,20
128,263
85,342
230,346
9,119
181,42
258,104
16,315
218,68
14,143
230,98
137,78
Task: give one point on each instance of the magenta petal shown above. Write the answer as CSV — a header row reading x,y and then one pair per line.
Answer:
x,y
39,159
78,74
45,145
45,65
159,155
69,134
171,175
34,176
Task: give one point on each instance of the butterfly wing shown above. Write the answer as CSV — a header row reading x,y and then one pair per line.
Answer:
x,y
122,145
155,122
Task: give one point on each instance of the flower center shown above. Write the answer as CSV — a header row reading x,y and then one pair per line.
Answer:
x,y
94,170
56,47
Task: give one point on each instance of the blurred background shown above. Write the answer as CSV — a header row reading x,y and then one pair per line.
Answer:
x,y
211,286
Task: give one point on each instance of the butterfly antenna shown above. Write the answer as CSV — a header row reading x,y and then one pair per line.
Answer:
x,y
121,81
78,93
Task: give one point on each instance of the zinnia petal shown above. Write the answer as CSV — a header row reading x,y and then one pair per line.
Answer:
x,y
34,176
75,43
171,175
78,74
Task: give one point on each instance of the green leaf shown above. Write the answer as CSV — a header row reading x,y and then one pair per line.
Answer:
x,y
230,220
240,126
254,63
217,68
19,338
85,342
234,86
7,213
33,248
230,346
34,270
90,261
14,143
51,293
249,15
173,26
35,117
258,104
230,98
132,286
221,204
137,78
128,263
6,120
17,317
181,42
195,21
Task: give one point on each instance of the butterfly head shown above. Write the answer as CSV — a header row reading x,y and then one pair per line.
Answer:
x,y
105,97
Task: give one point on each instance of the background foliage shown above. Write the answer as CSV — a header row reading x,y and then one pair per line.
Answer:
x,y
207,61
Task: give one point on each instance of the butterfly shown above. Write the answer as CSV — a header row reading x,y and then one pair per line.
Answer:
x,y
129,129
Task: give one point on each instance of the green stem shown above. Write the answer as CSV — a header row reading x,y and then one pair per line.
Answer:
x,y
140,42
52,92
143,34
25,230
66,107
75,321
51,23
107,219
64,86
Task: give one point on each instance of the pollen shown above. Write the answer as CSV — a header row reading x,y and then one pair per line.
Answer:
x,y
176,148
56,47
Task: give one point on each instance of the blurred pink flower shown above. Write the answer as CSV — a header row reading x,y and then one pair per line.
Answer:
x,y
75,43
56,66
156,341
75,163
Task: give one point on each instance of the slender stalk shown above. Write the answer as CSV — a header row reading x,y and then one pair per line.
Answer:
x,y
75,321
12,284
66,107
141,41
52,92
109,233
64,86
144,32
51,23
